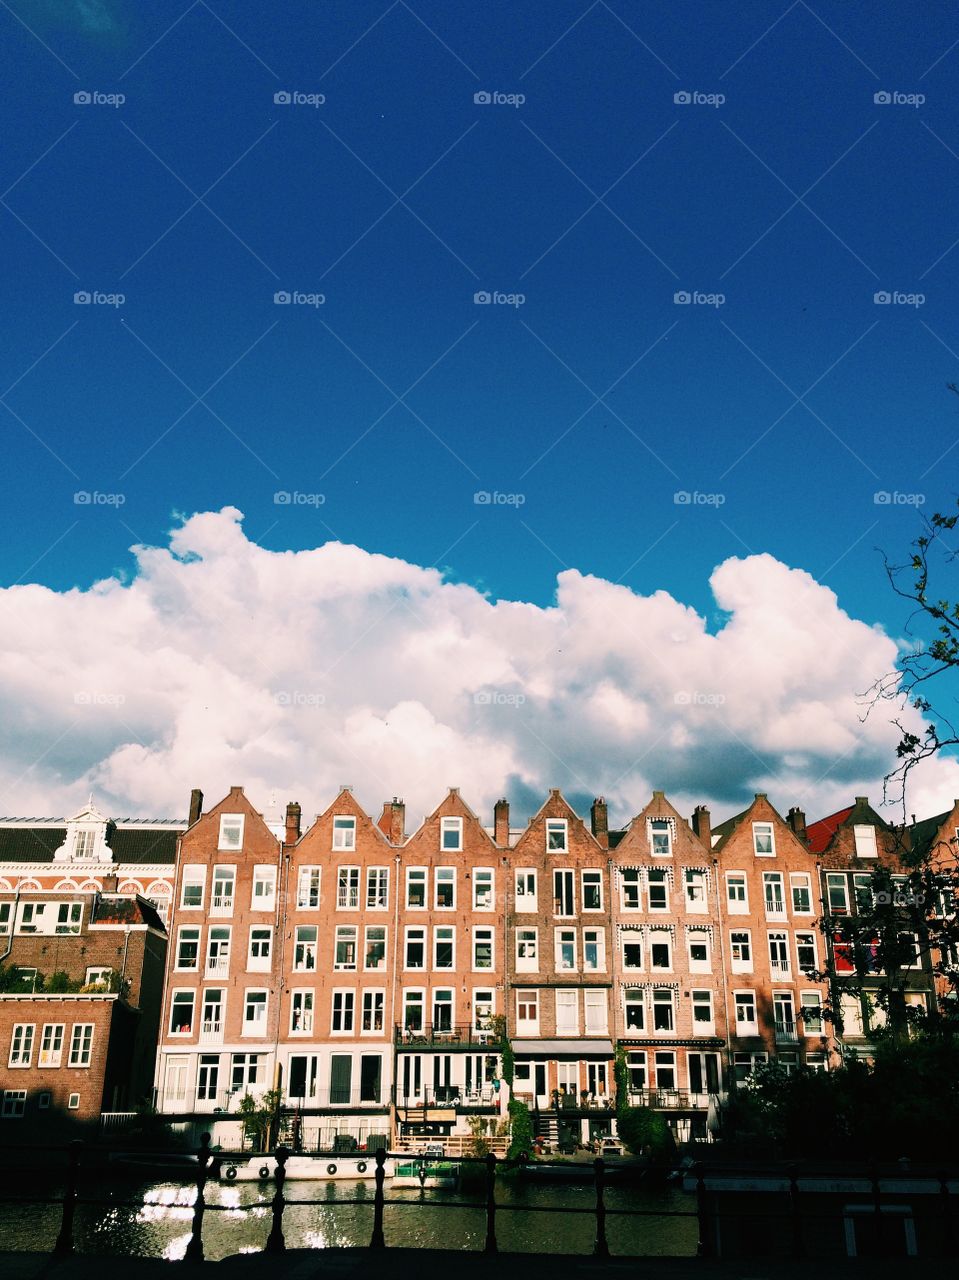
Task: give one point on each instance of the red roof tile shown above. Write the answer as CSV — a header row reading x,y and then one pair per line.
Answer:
x,y
821,832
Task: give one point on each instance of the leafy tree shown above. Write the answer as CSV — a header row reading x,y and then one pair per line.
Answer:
x,y
521,1131
645,1132
260,1118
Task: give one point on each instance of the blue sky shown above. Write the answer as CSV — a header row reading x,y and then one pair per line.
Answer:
x,y
783,196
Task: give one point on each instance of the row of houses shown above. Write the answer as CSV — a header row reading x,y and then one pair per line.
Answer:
x,y
370,975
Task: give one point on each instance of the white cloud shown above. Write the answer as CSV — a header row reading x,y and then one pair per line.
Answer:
x,y
294,672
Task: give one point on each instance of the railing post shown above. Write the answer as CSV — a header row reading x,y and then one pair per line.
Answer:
x,y
947,1236
704,1246
799,1245
64,1244
194,1250
877,1202
601,1247
490,1203
275,1242
377,1240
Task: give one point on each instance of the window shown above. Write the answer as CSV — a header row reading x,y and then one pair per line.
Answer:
x,y
415,948
556,835
862,887
837,894
413,1010
451,834
806,957
784,1014
21,1044
563,893
763,842
254,1013
341,1022
737,897
811,1011
565,950
224,881
304,947
773,894
51,1045
341,1079
660,837
347,888
444,946
779,956
865,838
657,888
741,951
484,1006
416,887
443,1010
526,950
698,947
218,949
636,1070
665,1070
482,948
377,888
344,833
14,1104
308,887
264,889
231,831
527,1012
632,949
702,1013
208,1077
635,1009
525,890
43,1100
912,956
181,1013
851,1012
344,947
629,889
695,882
595,1012
188,947
843,954
592,890
4,918
567,1013
301,1013
211,1021
660,949
191,889
261,946
69,916
744,1064
483,896
373,1005
594,950
801,894
83,844
374,950
81,1044
244,1070
664,1013
745,1005
444,883
31,917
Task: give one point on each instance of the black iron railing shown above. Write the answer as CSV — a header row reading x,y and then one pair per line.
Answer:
x,y
443,1035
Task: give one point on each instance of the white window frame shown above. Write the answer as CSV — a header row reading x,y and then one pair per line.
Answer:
x,y
222,904
634,882
50,1053
527,949
416,933
780,961
595,1012
345,934
702,997
745,999
563,938
255,1026
737,939
696,879
309,884
230,821
367,930
447,877
260,963
197,931
660,938
453,828
527,999
799,881
736,906
263,890
661,881
377,888
599,941
181,1004
419,875
348,887
567,1011
373,1009
557,835
344,833
811,1000
451,930
764,833
864,835
637,1003
770,880
633,938
305,948
479,935
21,1045
81,1045
193,876
484,876
14,1104
591,876
662,998
220,962
810,940
525,897
702,937
342,1010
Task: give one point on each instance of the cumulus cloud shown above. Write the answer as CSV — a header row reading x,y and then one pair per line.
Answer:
x,y
294,672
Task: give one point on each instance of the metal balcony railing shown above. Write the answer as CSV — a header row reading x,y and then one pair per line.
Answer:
x,y
442,1035
448,1095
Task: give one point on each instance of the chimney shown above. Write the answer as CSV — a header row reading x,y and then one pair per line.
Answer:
x,y
392,821
797,820
292,822
110,882
196,805
599,821
702,825
501,823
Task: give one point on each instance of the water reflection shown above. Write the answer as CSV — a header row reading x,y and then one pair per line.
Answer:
x,y
238,1219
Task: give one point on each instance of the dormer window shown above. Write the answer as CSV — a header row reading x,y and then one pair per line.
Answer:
x,y
231,831
83,844
865,837
660,837
556,835
451,834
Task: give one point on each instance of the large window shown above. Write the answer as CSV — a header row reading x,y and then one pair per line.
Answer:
x,y
865,838
694,879
810,1005
779,955
416,887
801,893
764,845
567,1013
231,831
264,889
218,949
191,888
261,946
483,895
773,895
344,947
630,889
737,897
415,948
181,1013
703,1022
301,1012
527,1012
565,950
635,1008
660,837
745,1005
344,833
373,1004
445,888
592,888
188,947
657,889
837,894
341,1022
254,1013
556,835
51,1045
81,1044
740,947
451,834
482,948
224,884
632,949
444,946
308,887
21,1045
526,950
525,890
347,888
69,917
595,1012
660,949
374,953
563,893
211,1022
806,957
664,1009
594,950
700,955
304,947
377,888
413,1010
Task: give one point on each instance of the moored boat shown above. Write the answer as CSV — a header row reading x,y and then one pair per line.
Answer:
x,y
357,1167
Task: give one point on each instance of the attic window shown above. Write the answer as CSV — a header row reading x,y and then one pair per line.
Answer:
x,y
231,831
865,837
661,837
556,835
83,844
451,834
763,845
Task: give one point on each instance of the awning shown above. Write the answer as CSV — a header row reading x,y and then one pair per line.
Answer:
x,y
563,1048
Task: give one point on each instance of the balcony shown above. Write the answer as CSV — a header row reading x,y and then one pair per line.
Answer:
x,y
439,1035
672,1099
446,1096
786,1030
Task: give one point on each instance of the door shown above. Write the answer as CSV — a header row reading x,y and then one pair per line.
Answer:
x,y
303,1072
175,1086
542,1096
371,1066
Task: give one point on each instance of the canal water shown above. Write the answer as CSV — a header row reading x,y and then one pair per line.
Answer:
x,y
238,1218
